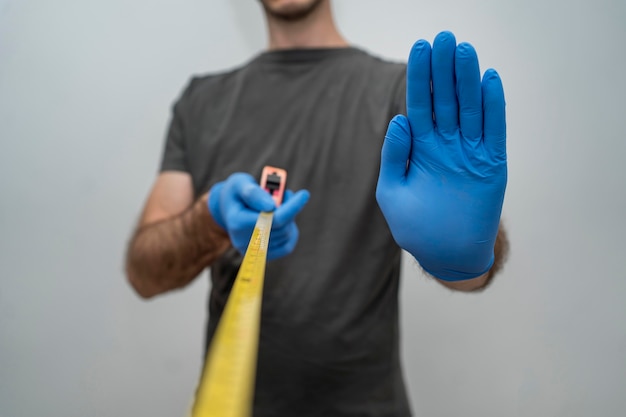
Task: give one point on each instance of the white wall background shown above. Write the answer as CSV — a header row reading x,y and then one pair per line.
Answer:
x,y
85,92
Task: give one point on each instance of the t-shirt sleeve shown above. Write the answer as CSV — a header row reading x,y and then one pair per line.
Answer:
x,y
175,148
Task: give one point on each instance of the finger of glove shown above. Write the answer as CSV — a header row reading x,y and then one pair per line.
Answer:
x,y
287,196
292,205
241,239
494,114
241,221
445,102
418,92
280,232
281,236
469,91
395,152
243,189
287,247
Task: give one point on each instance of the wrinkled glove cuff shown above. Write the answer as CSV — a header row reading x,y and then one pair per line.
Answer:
x,y
213,204
452,275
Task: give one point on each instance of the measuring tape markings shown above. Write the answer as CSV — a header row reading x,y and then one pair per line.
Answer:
x,y
227,385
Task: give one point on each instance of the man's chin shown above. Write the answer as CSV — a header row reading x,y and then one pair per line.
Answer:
x,y
290,12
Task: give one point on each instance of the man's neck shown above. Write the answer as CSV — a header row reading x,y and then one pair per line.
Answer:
x,y
317,30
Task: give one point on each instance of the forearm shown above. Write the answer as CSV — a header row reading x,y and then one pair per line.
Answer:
x,y
501,251
169,254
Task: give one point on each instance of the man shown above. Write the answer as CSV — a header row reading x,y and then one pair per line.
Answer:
x,y
319,108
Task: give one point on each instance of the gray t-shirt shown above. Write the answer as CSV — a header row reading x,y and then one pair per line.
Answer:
x,y
329,332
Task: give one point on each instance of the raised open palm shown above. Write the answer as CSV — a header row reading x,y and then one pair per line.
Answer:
x,y
443,169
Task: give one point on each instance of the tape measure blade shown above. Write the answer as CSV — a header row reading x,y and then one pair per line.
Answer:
x,y
227,385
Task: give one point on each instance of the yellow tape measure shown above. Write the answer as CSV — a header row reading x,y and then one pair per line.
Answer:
x,y
227,385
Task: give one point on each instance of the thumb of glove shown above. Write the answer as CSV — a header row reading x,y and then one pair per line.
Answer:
x,y
395,152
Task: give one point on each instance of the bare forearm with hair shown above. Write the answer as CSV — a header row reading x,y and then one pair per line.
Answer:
x,y
501,252
170,253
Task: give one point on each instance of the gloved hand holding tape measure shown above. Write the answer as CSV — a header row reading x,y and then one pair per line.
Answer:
x,y
235,205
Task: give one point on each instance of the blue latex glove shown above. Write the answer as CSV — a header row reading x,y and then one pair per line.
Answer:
x,y
443,169
235,205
